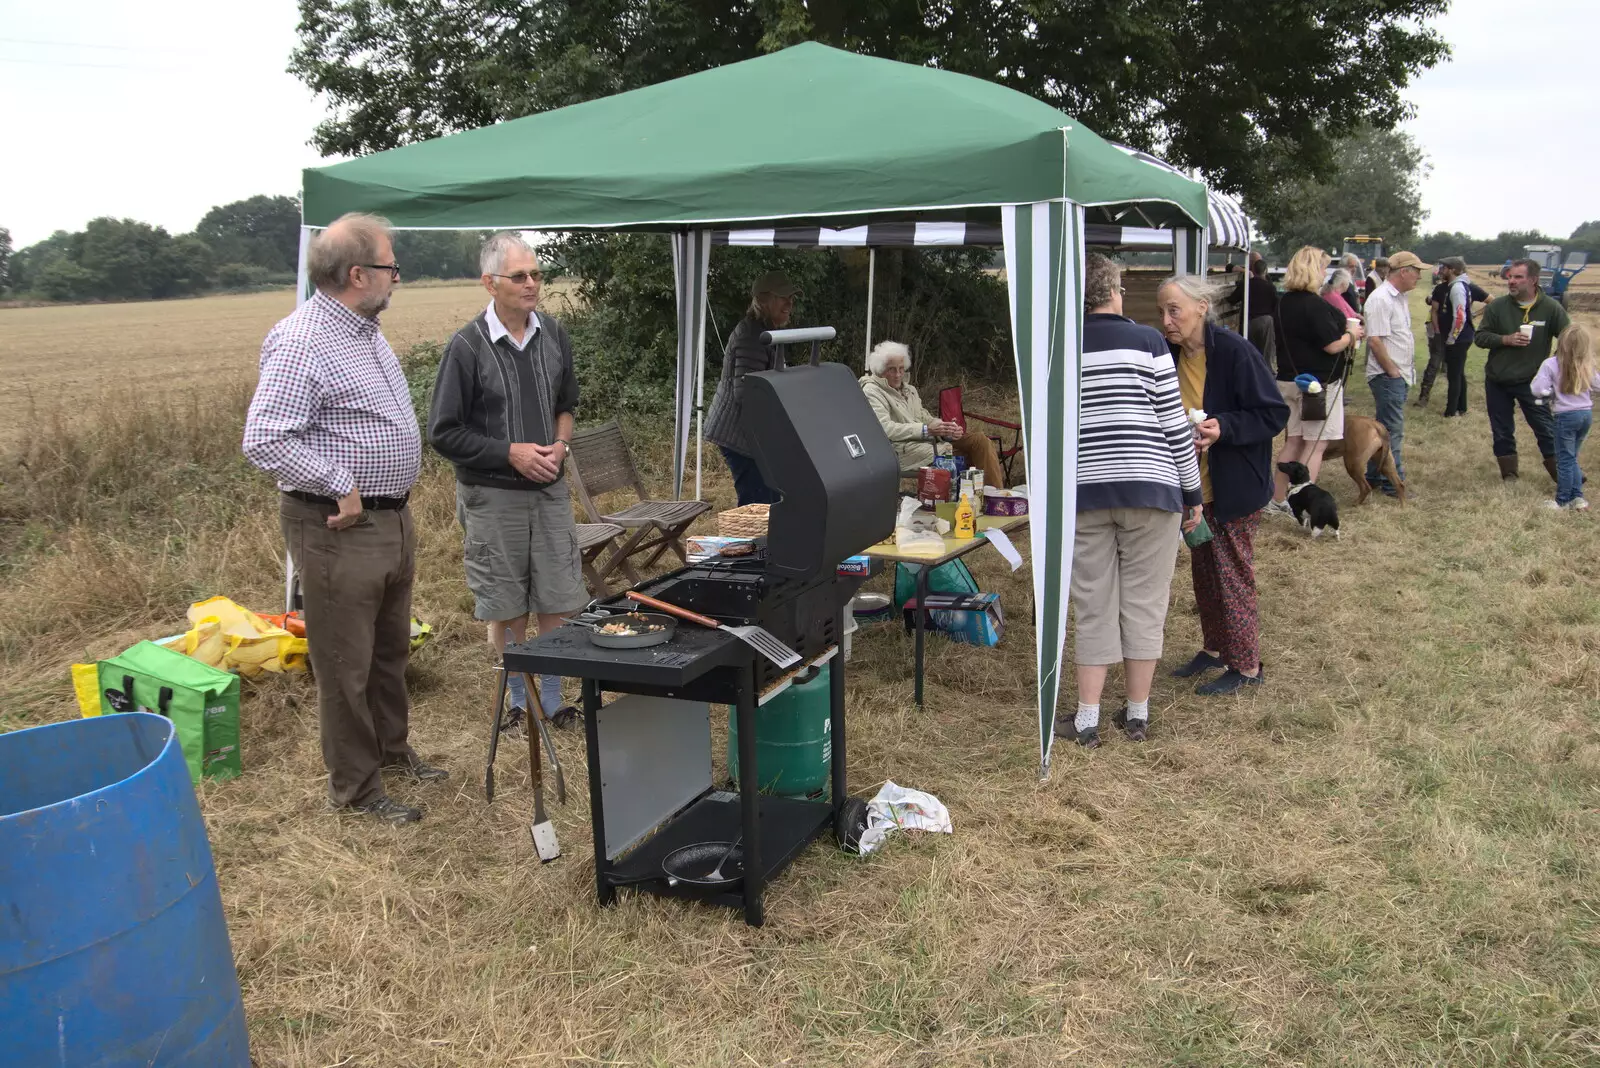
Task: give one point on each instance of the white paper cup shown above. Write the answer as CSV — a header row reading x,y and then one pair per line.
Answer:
x,y
1351,322
1526,330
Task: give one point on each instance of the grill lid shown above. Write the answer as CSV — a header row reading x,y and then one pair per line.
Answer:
x,y
819,445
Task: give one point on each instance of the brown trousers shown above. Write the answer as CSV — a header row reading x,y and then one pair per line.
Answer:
x,y
979,451
357,589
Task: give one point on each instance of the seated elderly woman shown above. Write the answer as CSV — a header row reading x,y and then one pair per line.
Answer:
x,y
916,435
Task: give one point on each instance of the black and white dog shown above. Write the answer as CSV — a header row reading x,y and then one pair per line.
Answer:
x,y
1314,507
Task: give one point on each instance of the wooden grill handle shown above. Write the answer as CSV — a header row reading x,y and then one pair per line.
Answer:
x,y
674,610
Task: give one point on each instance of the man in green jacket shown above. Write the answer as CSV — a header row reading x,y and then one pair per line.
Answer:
x,y
1519,330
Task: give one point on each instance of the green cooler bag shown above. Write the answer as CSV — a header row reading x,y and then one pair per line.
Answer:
x,y
949,578
201,701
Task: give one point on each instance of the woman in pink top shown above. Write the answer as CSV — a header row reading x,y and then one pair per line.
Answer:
x,y
1336,292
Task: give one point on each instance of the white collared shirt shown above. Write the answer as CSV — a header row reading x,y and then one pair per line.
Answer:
x,y
1389,318
497,329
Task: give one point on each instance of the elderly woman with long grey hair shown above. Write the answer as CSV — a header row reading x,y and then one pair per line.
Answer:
x,y
917,436
1223,374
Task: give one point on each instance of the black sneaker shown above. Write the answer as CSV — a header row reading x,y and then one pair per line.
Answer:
x,y
1203,661
565,716
1230,681
1133,728
418,770
514,723
387,810
1089,739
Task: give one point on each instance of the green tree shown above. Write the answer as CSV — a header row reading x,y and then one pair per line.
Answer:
x,y
186,266
1505,245
62,279
1206,83
28,264
1586,238
1373,190
5,259
262,230
127,257
438,253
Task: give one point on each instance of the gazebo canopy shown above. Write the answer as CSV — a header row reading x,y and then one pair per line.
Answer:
x,y
813,136
810,134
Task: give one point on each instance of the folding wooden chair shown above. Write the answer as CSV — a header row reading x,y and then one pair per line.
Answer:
x,y
602,463
950,409
593,540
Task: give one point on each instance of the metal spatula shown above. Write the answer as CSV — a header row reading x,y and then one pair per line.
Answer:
x,y
758,638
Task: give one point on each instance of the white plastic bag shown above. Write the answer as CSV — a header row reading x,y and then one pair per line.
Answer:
x,y
896,807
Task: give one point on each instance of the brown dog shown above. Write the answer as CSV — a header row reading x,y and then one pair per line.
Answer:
x,y
1365,438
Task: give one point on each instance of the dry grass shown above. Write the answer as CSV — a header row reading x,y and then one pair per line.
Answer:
x,y
74,350
1384,857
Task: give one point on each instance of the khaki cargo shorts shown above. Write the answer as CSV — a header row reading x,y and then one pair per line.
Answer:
x,y
521,550
1122,564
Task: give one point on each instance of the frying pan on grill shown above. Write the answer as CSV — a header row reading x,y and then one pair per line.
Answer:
x,y
642,638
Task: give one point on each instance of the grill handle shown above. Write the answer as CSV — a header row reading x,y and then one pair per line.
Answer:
x,y
674,610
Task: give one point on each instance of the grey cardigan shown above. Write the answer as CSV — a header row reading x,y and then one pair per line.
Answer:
x,y
745,354
489,394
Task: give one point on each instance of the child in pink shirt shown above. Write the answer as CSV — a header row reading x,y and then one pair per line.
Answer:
x,y
1567,378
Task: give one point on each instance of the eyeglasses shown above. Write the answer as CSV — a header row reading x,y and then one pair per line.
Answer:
x,y
392,268
521,277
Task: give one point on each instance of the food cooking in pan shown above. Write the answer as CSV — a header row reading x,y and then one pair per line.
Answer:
x,y
631,624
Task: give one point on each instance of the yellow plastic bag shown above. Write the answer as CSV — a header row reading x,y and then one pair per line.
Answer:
x,y
229,636
86,684
420,633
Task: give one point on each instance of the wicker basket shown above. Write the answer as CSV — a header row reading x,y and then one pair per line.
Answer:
x,y
747,521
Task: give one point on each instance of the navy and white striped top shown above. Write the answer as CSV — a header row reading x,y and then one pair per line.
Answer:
x,y
1135,443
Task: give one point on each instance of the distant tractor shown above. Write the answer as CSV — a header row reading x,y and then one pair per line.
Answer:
x,y
1369,249
1559,273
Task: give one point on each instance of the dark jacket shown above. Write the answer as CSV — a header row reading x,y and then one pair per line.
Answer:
x,y
1243,398
745,354
489,394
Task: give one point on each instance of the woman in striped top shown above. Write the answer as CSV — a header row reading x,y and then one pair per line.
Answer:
x,y
1138,480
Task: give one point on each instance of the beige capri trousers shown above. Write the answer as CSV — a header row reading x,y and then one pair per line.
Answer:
x,y
1122,563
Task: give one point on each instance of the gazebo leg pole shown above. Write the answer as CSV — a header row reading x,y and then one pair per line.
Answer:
x,y
872,275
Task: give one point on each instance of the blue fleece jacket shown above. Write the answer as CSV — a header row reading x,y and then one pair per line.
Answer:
x,y
1242,396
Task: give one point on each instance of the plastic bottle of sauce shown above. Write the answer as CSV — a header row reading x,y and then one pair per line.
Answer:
x,y
966,525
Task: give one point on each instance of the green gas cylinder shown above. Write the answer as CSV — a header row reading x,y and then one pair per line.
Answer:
x,y
794,740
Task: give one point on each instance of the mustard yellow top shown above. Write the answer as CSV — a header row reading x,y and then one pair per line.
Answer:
x,y
1192,386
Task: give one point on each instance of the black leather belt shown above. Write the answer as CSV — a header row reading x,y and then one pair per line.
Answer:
x,y
370,504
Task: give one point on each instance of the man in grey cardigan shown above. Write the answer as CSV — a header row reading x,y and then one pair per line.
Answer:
x,y
502,414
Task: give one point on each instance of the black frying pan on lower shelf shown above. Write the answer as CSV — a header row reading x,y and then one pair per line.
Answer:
x,y
693,865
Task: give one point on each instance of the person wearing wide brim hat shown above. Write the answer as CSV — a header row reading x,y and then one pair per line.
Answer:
x,y
772,298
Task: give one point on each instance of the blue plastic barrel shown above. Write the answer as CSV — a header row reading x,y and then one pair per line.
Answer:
x,y
113,946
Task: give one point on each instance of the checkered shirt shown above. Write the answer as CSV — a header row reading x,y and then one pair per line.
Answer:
x,y
332,411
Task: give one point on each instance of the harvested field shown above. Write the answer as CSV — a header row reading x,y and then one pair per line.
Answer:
x,y
74,350
1385,856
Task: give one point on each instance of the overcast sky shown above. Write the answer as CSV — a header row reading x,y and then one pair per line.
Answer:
x,y
160,110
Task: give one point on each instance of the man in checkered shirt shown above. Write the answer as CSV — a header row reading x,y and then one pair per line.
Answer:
x,y
332,421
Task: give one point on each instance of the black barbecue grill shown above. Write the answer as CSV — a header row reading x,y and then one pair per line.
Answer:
x,y
819,444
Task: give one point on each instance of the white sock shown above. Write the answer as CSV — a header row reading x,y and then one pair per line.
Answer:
x,y
1088,717
1139,709
550,693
